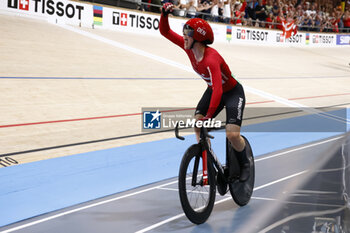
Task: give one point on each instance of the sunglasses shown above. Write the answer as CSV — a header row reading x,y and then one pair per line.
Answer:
x,y
188,31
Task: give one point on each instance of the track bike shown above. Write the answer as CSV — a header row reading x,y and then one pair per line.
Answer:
x,y
201,172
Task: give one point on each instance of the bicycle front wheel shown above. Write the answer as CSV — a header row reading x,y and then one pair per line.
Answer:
x,y
197,199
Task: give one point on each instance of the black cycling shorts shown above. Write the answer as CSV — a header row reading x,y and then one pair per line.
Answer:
x,y
233,100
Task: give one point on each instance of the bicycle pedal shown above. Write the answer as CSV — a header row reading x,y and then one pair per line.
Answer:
x,y
227,176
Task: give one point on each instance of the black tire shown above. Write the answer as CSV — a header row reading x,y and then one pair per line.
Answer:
x,y
196,214
241,192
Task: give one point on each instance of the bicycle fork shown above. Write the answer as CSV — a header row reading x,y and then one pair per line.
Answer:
x,y
216,163
204,180
214,160
205,167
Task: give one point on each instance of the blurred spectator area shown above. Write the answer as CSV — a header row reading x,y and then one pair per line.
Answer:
x,y
311,15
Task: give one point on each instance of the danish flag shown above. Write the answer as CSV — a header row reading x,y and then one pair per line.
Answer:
x,y
289,28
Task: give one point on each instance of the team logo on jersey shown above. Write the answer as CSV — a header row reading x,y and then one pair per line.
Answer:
x,y
152,119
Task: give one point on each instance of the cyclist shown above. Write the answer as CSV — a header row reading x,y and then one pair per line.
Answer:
x,y
223,89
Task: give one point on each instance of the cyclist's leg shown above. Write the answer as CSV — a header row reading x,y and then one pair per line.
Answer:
x,y
234,136
238,144
235,102
202,108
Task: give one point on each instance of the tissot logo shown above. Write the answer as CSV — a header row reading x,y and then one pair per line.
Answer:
x,y
18,4
243,34
49,7
120,19
322,39
136,21
293,39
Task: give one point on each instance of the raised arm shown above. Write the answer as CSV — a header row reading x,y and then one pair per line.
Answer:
x,y
164,27
215,76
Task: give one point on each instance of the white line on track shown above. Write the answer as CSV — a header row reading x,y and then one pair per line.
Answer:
x,y
217,202
296,149
272,199
296,203
149,189
177,190
84,207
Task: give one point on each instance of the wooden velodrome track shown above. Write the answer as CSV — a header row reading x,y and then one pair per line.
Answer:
x,y
41,113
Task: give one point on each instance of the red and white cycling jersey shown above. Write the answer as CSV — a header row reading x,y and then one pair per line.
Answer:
x,y
212,68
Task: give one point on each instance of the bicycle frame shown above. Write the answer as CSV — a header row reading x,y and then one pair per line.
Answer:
x,y
206,151
204,141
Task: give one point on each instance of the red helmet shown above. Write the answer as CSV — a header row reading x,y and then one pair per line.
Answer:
x,y
199,30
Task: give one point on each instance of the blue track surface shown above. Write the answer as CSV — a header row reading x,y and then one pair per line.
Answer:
x,y
32,189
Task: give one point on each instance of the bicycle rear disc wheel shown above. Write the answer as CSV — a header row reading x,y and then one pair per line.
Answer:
x,y
197,200
241,192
